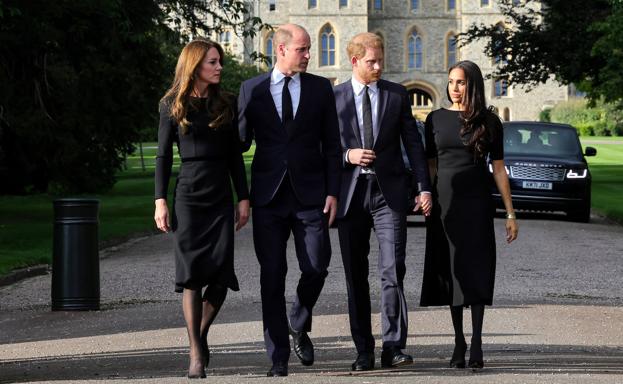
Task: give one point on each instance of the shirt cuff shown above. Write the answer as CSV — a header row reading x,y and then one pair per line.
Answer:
x,y
346,156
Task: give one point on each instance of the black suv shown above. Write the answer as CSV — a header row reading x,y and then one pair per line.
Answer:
x,y
547,169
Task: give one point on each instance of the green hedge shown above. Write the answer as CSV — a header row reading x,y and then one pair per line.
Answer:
x,y
599,120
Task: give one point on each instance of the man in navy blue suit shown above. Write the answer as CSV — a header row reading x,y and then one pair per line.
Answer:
x,y
374,118
295,181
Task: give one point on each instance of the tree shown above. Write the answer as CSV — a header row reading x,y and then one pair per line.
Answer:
x,y
577,41
80,79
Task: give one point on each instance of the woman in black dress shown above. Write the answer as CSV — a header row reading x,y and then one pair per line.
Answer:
x,y
202,120
459,268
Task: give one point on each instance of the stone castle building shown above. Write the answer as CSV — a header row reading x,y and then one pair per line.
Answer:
x,y
420,44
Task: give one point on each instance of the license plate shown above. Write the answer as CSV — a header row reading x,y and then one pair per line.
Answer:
x,y
537,185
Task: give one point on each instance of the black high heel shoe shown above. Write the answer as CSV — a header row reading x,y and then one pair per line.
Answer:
x,y
476,362
458,356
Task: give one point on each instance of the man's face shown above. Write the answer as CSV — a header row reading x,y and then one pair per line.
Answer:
x,y
369,68
294,56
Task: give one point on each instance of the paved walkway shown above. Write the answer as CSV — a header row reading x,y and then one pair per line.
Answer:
x,y
138,336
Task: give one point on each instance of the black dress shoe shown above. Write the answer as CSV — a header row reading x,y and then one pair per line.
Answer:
x,y
303,347
476,365
364,362
278,369
458,356
393,357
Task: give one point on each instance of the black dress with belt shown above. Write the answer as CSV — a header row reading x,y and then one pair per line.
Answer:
x,y
203,213
459,267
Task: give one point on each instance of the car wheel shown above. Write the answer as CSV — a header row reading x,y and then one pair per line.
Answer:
x,y
581,214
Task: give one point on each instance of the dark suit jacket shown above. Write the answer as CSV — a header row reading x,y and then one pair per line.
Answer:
x,y
310,153
395,123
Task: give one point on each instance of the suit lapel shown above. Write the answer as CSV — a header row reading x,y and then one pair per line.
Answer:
x,y
267,99
351,112
383,100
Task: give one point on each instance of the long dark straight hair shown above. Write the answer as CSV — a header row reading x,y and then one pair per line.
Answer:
x,y
474,130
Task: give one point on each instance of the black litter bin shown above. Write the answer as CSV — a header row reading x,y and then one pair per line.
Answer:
x,y
75,259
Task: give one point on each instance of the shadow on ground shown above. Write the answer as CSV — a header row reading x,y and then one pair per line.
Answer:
x,y
248,359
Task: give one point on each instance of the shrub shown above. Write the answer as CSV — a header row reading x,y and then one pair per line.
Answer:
x,y
546,115
599,120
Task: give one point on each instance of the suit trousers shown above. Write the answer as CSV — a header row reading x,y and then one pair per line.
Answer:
x,y
368,210
272,225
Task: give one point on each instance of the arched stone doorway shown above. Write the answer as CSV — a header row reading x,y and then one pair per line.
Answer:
x,y
423,100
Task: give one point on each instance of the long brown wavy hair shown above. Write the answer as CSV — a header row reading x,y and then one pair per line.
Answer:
x,y
178,95
473,130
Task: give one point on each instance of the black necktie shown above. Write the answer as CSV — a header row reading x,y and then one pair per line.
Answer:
x,y
368,136
287,113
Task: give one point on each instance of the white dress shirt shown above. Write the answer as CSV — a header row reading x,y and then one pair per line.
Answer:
x,y
276,89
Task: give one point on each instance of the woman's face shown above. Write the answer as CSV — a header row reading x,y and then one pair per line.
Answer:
x,y
457,84
209,70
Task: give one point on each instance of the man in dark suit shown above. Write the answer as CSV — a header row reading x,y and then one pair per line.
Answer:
x,y
295,181
374,118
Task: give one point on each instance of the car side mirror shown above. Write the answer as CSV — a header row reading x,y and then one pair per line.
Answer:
x,y
590,151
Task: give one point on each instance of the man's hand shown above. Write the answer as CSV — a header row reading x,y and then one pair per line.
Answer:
x,y
362,157
330,207
242,214
425,202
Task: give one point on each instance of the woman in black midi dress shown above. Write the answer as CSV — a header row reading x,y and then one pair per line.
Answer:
x,y
459,268
203,122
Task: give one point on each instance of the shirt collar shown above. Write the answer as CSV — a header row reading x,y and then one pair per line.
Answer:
x,y
358,87
276,77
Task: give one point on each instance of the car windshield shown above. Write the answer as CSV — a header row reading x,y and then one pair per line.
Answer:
x,y
541,140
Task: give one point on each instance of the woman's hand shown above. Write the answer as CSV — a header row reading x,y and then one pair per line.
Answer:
x,y
161,216
512,229
242,214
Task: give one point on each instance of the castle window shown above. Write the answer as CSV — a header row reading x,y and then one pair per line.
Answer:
x,y
415,5
379,34
327,46
451,50
414,46
272,5
343,3
312,4
451,5
378,4
225,39
484,3
270,50
506,114
500,87
497,59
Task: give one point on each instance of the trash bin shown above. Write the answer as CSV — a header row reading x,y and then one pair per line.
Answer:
x,y
75,258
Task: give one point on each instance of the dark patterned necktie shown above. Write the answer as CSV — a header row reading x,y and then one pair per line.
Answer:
x,y
368,136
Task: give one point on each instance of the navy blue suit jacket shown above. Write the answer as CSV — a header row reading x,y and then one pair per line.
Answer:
x,y
395,122
309,153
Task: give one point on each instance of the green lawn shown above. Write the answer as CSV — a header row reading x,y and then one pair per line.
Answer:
x,y
26,222
607,171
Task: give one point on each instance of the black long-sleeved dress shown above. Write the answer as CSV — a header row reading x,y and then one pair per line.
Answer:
x,y
459,267
203,211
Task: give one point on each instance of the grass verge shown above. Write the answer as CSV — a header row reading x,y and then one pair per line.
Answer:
x,y
607,171
26,222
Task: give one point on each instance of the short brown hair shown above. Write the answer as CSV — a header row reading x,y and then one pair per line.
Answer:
x,y
358,44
